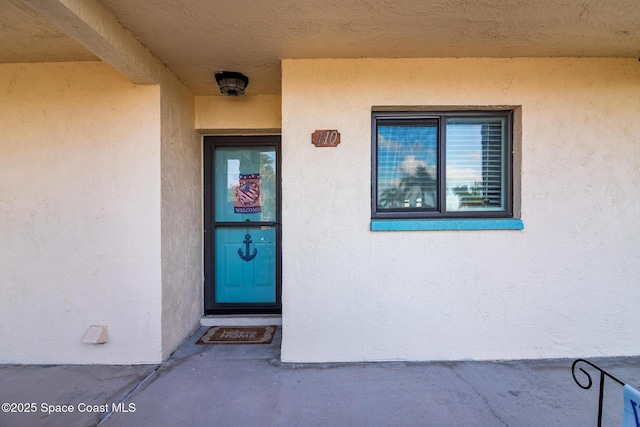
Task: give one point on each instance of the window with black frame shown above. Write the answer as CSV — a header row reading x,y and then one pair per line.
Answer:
x,y
454,164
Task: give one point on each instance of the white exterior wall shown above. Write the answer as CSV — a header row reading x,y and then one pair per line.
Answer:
x,y
182,271
565,286
79,214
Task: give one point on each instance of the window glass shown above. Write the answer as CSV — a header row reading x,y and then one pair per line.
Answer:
x,y
247,179
448,164
407,166
474,172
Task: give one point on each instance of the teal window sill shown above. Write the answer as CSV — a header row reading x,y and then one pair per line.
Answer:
x,y
446,224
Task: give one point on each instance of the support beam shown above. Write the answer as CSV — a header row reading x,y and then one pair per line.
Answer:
x,y
90,24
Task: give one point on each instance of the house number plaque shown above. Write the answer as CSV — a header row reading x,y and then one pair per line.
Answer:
x,y
325,138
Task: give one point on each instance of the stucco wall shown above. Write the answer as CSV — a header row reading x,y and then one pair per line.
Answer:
x,y
79,214
181,154
259,114
565,286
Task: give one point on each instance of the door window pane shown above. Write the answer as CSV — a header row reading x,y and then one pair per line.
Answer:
x,y
245,184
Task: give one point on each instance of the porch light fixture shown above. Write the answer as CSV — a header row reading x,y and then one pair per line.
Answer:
x,y
232,83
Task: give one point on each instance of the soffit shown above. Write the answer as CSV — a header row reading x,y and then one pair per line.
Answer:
x,y
26,37
196,38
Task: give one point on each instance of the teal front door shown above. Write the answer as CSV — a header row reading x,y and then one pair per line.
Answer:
x,y
242,224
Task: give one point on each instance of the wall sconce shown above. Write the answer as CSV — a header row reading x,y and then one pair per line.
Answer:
x,y
232,83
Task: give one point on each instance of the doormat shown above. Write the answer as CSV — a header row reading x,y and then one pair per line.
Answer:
x,y
238,335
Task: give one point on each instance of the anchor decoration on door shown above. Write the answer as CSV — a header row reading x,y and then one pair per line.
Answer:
x,y
247,243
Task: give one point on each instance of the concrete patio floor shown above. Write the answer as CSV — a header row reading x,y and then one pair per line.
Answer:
x,y
247,385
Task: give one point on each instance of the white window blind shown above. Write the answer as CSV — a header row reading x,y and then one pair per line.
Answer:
x,y
474,164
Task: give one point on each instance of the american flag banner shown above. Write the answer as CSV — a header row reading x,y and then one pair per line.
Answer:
x,y
247,194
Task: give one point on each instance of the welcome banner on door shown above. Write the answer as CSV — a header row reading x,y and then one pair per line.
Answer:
x,y
247,194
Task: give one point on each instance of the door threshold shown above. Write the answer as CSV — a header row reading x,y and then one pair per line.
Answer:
x,y
242,320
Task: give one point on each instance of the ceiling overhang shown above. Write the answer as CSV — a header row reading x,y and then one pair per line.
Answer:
x,y
195,39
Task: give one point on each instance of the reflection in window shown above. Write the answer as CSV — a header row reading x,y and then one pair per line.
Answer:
x,y
407,166
232,164
451,164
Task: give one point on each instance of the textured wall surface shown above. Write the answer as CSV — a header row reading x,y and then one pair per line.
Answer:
x,y
215,114
565,286
181,154
79,214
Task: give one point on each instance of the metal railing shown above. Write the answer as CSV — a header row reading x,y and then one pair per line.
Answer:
x,y
588,385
